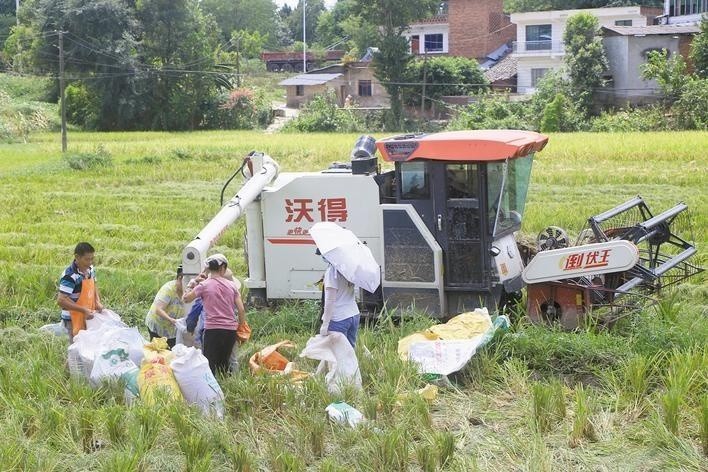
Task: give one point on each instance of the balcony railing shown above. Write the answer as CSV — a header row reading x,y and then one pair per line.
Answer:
x,y
538,47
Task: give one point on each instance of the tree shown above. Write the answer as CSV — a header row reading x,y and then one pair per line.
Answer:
x,y
699,50
314,9
443,76
252,16
669,73
178,43
584,58
390,63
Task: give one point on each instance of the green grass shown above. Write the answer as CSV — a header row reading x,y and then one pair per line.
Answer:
x,y
620,385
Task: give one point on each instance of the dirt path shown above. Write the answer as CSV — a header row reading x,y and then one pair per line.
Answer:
x,y
283,114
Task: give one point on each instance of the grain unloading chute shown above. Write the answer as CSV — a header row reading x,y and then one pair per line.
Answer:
x,y
622,256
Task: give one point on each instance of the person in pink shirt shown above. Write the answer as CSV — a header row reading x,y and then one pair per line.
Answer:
x,y
222,301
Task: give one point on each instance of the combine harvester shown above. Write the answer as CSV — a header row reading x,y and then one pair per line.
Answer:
x,y
442,226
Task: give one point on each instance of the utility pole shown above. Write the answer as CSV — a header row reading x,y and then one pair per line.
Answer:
x,y
17,12
304,37
238,61
61,91
425,78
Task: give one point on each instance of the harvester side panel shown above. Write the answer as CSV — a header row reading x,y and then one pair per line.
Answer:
x,y
292,205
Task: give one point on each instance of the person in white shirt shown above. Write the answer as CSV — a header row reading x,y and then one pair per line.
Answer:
x,y
341,313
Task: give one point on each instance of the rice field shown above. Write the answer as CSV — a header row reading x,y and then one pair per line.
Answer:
x,y
631,398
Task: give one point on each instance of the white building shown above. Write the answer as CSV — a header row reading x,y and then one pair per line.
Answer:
x,y
680,12
431,36
539,47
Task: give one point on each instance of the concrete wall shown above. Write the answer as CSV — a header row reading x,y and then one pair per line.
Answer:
x,y
363,71
527,64
478,27
626,55
294,101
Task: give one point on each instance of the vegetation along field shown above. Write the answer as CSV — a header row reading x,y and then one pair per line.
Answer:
x,y
633,397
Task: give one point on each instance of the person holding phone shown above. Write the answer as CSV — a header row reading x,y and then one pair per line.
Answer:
x,y
166,309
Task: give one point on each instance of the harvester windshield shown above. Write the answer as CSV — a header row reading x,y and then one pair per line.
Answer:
x,y
507,186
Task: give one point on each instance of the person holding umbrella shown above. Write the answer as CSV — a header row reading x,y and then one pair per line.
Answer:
x,y
349,264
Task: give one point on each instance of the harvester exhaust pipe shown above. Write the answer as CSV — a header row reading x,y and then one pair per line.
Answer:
x,y
262,170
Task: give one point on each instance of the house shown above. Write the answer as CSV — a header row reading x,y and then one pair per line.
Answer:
x,y
539,44
429,36
354,79
466,28
677,12
627,48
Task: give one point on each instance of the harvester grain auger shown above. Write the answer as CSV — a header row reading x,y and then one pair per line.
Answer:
x,y
622,257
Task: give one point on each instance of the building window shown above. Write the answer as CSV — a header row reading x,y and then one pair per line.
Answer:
x,y
538,37
536,76
623,23
415,44
299,90
434,42
364,88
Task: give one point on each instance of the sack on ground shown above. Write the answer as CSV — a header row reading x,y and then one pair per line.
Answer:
x,y
105,318
156,376
196,381
337,358
269,359
114,364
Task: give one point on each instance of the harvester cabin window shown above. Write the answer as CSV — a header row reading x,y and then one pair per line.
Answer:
x,y
364,88
461,181
434,42
507,187
414,181
299,90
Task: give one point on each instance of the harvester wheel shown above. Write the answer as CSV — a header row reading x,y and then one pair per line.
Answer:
x,y
552,237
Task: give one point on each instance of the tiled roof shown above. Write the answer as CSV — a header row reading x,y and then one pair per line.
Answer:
x,y
652,29
503,70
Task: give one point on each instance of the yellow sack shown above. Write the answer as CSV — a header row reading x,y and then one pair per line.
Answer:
x,y
157,376
155,349
405,344
463,326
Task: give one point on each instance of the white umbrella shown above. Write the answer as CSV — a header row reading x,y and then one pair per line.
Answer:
x,y
347,254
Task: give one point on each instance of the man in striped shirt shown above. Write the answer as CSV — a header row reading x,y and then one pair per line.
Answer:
x,y
78,295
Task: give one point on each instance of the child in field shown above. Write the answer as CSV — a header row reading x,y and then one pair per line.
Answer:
x,y
78,294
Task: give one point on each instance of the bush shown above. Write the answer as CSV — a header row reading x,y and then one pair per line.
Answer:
x,y
492,111
635,119
100,157
17,121
241,108
692,107
323,114
560,115
81,107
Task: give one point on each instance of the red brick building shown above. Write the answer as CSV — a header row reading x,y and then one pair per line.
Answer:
x,y
469,28
478,27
